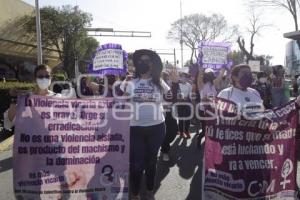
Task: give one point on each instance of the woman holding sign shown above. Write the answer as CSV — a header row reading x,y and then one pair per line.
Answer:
x,y
42,77
147,126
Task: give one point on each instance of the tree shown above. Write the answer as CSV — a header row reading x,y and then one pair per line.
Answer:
x,y
64,29
199,27
291,6
237,57
264,59
254,29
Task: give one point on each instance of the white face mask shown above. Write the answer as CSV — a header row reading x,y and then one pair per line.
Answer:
x,y
263,80
43,83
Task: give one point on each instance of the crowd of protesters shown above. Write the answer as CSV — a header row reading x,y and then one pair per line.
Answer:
x,y
170,91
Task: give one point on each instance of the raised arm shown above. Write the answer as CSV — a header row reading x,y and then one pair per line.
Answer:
x,y
200,79
171,95
218,80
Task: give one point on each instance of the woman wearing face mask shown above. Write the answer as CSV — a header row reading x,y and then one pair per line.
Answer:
x,y
184,111
171,124
42,77
207,84
147,126
279,86
264,89
240,92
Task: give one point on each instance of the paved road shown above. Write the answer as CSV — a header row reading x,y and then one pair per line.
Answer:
x,y
6,180
178,179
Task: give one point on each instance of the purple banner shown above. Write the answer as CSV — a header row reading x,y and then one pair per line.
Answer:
x,y
250,159
214,55
70,149
109,59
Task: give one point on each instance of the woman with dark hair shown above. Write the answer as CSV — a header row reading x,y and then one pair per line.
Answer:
x,y
241,93
207,84
171,124
147,126
42,78
184,111
279,86
264,89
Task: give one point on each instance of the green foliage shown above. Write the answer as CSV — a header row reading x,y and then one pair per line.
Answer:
x,y
87,47
59,77
64,29
237,57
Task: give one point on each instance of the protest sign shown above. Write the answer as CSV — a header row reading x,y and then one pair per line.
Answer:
x,y
109,59
250,159
70,149
254,65
214,55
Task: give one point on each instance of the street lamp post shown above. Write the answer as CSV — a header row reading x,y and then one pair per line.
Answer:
x,y
38,33
181,41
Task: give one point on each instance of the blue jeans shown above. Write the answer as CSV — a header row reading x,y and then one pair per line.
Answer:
x,y
144,146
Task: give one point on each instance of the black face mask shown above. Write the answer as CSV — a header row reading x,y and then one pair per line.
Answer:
x,y
143,67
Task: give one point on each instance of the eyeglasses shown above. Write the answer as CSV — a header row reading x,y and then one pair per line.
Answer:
x,y
43,76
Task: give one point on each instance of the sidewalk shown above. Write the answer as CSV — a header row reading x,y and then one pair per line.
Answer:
x,y
7,144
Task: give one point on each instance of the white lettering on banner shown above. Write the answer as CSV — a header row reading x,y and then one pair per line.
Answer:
x,y
286,110
109,58
259,164
280,149
224,180
286,170
238,149
256,149
229,150
260,187
229,134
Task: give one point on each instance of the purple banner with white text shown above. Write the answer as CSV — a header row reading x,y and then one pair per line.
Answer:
x,y
250,156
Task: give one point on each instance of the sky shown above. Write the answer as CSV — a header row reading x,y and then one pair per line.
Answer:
x,y
156,16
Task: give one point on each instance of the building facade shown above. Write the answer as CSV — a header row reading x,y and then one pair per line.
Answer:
x,y
18,51
292,58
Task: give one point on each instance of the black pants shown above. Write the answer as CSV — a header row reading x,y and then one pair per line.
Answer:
x,y
203,122
171,132
144,146
203,127
184,111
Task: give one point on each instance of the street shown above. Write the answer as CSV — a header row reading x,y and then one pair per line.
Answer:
x,y
178,179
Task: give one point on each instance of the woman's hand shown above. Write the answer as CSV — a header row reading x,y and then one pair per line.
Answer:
x,y
173,74
12,107
12,111
75,180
